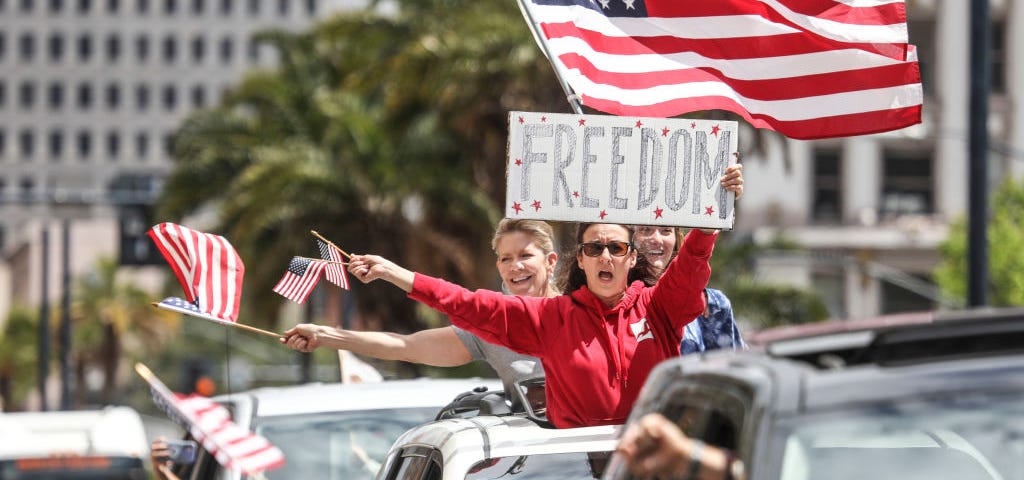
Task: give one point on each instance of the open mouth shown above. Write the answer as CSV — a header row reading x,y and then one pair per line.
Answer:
x,y
520,280
605,275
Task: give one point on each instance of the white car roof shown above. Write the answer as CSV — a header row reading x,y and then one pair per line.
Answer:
x,y
464,442
111,431
333,397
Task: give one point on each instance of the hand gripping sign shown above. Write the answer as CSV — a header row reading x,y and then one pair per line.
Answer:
x,y
631,170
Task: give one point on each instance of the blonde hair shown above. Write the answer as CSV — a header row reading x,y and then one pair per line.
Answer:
x,y
541,232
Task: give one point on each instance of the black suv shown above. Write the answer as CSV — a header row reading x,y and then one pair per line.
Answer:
x,y
936,400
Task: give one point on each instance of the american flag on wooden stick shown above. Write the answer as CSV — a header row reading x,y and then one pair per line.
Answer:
x,y
206,265
210,424
333,272
805,68
300,278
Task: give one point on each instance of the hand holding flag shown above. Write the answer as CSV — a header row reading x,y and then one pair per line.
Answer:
x,y
210,424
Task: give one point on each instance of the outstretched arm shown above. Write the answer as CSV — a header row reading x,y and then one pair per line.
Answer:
x,y
368,268
656,447
440,347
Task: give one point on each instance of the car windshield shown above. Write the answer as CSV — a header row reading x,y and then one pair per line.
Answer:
x,y
971,436
553,466
337,445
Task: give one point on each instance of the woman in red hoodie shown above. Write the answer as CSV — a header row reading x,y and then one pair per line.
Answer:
x,y
600,340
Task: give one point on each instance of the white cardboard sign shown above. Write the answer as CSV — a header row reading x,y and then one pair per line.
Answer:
x,y
629,170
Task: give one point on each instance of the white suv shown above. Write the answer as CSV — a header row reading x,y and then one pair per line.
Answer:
x,y
333,431
491,447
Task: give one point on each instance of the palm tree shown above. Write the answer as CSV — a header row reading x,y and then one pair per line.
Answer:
x,y
112,319
18,357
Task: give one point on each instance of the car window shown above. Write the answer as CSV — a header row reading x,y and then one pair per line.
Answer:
x,y
970,436
553,466
337,445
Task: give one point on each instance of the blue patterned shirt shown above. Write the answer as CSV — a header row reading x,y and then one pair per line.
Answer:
x,y
717,330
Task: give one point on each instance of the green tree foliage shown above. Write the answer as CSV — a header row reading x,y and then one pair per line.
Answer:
x,y
1005,236
112,320
19,361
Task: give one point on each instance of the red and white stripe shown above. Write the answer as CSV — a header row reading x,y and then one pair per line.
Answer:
x,y
210,424
806,68
206,265
298,287
333,272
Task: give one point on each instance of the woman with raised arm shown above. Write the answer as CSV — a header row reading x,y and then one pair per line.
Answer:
x,y
526,262
600,340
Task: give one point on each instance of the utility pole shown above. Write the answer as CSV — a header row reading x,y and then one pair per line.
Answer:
x,y
44,318
977,206
65,316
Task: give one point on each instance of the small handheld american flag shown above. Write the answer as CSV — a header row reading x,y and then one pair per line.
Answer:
x,y
300,278
333,272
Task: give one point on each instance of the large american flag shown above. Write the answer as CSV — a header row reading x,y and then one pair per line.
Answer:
x,y
805,68
206,265
300,278
210,424
334,272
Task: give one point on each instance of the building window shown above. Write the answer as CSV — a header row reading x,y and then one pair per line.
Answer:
x,y
170,96
27,144
998,50
922,34
141,97
311,8
27,95
169,145
254,8
141,145
227,48
113,96
55,45
254,51
3,143
26,47
142,6
113,146
56,6
3,94
826,187
3,45
84,96
226,7
142,48
27,189
170,49
907,184
198,49
27,6
282,7
198,97
198,6
113,6
84,48
56,142
113,48
898,299
84,6
84,145
170,6
55,96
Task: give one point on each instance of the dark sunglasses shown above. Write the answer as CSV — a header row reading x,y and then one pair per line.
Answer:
x,y
595,249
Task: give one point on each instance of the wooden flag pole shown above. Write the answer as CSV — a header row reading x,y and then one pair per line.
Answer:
x,y
332,262
317,235
222,322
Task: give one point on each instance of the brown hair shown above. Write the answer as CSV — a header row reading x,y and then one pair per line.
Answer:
x,y
571,277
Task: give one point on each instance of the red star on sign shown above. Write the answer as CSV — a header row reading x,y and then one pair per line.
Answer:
x,y
693,124
714,130
576,194
639,124
657,213
535,205
543,119
517,207
518,162
603,214
521,120
664,131
583,122
709,210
